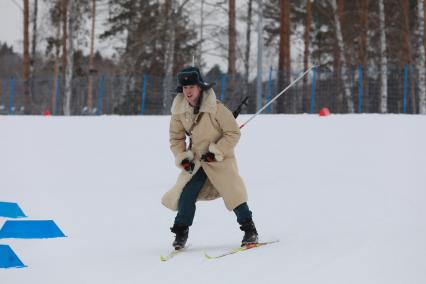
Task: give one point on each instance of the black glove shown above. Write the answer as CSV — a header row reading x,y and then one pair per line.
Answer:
x,y
188,165
208,157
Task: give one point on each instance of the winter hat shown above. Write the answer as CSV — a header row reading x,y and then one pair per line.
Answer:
x,y
191,76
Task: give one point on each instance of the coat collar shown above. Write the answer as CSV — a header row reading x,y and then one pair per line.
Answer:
x,y
180,104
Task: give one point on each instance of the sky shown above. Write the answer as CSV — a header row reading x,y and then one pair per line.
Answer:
x,y
11,16
11,23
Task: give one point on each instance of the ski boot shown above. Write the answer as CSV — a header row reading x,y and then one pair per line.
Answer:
x,y
250,233
181,232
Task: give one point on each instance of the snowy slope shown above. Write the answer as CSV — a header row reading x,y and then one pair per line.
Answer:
x,y
345,195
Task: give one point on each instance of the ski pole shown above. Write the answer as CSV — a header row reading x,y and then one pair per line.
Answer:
x,y
277,96
238,110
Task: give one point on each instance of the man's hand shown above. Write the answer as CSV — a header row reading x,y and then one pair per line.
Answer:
x,y
208,157
188,165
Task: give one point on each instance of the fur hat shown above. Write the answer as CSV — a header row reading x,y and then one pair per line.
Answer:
x,y
191,76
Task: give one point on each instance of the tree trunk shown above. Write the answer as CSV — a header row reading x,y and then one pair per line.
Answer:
x,y
345,70
70,56
248,44
232,38
92,70
200,45
127,80
56,80
383,60
284,55
364,43
64,45
306,55
364,34
284,66
421,57
33,47
407,53
259,55
338,64
169,33
26,54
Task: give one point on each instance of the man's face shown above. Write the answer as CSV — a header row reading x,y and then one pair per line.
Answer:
x,y
192,93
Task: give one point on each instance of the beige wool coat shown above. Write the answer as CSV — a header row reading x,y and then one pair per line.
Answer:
x,y
217,131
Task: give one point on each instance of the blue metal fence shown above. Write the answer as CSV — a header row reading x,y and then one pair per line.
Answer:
x,y
145,81
144,95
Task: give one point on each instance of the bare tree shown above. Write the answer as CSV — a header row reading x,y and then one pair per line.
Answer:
x,y
64,17
259,55
364,42
201,35
407,51
33,47
71,19
421,56
308,21
383,60
91,60
56,68
364,32
337,57
169,33
232,38
248,44
341,45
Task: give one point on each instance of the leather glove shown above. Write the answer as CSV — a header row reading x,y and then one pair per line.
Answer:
x,y
208,157
188,165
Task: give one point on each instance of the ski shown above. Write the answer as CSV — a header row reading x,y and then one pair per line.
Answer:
x,y
172,254
240,249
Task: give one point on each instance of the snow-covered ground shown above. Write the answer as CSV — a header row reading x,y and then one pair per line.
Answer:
x,y
345,194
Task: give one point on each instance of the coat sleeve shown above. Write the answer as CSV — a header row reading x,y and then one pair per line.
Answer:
x,y
177,138
231,133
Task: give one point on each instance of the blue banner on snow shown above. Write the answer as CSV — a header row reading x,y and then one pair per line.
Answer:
x,y
33,229
11,210
8,258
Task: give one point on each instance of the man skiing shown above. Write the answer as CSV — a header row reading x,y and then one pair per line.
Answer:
x,y
209,167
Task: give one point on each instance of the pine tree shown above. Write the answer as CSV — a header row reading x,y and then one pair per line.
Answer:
x,y
278,26
155,32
